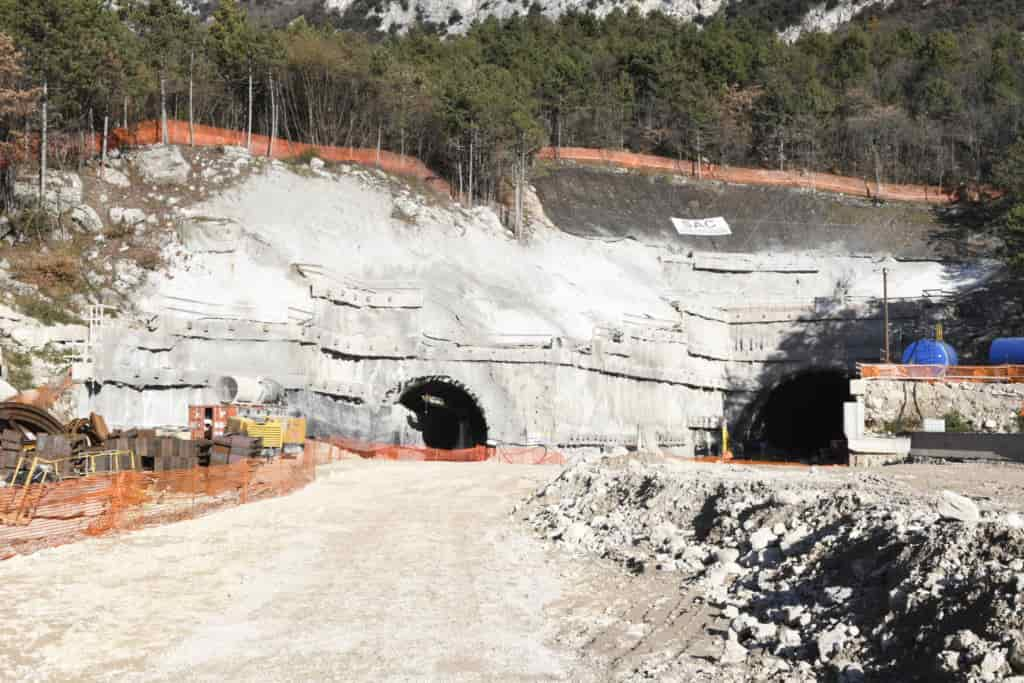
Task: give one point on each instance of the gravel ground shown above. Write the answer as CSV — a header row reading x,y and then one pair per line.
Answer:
x,y
397,571
417,571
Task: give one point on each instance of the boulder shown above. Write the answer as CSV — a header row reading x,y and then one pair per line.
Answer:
x,y
130,217
163,165
789,637
953,506
63,191
732,653
726,555
761,538
830,641
114,177
85,217
316,164
993,664
1016,654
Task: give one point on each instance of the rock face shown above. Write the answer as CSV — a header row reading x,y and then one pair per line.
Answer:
x,y
987,407
458,15
162,165
873,572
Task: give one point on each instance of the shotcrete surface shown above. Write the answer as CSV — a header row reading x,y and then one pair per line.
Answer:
x,y
476,278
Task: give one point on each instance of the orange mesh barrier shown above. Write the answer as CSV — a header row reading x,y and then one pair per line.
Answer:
x,y
148,133
51,514
943,373
753,176
538,455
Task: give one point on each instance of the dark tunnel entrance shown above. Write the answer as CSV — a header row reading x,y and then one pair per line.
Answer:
x,y
447,415
801,417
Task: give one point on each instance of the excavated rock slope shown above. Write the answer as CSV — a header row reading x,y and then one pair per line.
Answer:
x,y
821,576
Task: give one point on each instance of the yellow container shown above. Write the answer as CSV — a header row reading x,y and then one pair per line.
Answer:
x,y
295,431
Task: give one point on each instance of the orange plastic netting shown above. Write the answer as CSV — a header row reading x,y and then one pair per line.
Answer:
x,y
944,373
754,176
51,514
148,133
537,455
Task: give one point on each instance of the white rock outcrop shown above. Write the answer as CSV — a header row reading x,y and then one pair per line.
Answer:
x,y
163,165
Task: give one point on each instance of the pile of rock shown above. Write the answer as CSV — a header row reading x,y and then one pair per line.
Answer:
x,y
816,575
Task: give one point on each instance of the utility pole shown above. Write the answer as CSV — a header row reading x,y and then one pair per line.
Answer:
x,y
885,304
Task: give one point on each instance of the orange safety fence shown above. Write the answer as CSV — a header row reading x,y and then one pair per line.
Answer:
x,y
147,132
45,515
48,514
826,182
537,455
943,373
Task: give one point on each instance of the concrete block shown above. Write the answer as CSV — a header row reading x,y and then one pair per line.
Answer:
x,y
858,387
933,424
853,419
873,451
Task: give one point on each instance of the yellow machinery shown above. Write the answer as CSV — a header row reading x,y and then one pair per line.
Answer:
x,y
277,434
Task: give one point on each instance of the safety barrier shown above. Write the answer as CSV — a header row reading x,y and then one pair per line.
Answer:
x,y
824,182
43,515
943,373
148,133
52,513
536,455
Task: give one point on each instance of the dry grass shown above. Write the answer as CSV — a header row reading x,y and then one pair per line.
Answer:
x,y
56,270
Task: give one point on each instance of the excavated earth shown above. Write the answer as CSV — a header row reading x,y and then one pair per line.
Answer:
x,y
786,574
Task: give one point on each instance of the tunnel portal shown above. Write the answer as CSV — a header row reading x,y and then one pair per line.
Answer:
x,y
446,414
801,416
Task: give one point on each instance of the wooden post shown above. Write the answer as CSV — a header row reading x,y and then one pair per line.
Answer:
x,y
191,121
42,147
248,127
885,304
163,109
273,116
103,154
379,132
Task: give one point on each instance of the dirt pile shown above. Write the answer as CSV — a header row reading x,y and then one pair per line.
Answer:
x,y
818,576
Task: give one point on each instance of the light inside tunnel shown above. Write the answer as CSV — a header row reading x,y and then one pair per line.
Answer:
x,y
447,415
801,416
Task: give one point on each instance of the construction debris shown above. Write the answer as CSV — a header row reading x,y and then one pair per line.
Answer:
x,y
818,578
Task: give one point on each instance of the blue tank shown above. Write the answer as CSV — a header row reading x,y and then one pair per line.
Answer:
x,y
1006,351
930,352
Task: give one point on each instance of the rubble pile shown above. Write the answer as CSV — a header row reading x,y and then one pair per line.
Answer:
x,y
819,577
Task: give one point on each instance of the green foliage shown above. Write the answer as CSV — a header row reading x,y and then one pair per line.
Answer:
x,y
955,422
900,96
901,425
46,311
80,47
19,368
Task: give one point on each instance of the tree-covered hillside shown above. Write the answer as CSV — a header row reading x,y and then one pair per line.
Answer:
x,y
896,96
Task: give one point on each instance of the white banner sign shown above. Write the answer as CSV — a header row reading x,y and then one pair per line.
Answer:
x,y
702,227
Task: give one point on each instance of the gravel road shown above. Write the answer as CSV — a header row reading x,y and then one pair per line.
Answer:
x,y
396,571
